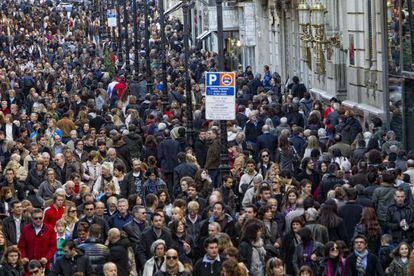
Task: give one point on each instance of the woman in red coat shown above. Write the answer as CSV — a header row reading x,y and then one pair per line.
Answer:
x,y
55,211
37,240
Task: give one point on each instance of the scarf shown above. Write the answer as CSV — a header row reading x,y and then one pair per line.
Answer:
x,y
360,262
172,270
329,267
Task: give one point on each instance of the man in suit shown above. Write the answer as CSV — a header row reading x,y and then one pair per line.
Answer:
x,y
361,262
267,141
13,225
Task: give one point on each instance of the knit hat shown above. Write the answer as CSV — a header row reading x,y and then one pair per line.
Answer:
x,y
155,244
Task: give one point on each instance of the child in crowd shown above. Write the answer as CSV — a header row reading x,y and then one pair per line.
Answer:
x,y
385,250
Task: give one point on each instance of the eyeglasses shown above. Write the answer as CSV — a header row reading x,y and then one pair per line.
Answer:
x,y
72,211
265,155
34,271
37,218
89,209
172,257
334,248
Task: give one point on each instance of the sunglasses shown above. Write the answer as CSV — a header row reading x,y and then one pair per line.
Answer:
x,y
34,271
334,248
265,155
72,211
37,218
172,257
89,209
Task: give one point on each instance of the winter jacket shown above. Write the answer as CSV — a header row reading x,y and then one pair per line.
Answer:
x,y
9,229
167,153
129,186
213,154
397,268
253,130
383,198
148,237
373,266
98,254
118,221
349,130
134,144
351,214
328,183
395,214
183,169
118,254
204,267
39,246
8,270
69,266
52,215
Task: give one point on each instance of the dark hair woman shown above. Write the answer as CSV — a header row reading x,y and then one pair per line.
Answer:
x,y
252,251
182,242
370,228
308,252
329,218
289,242
154,183
11,263
271,233
285,154
333,264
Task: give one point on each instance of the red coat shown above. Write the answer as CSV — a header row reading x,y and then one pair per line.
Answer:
x,y
35,247
52,215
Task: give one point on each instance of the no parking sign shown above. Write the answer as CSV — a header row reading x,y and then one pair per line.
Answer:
x,y
220,96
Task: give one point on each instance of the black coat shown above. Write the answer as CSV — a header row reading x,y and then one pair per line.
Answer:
x,y
373,266
338,232
68,267
9,229
183,169
34,180
200,151
351,214
118,254
395,214
134,144
128,188
8,270
327,184
207,269
267,141
135,236
167,154
148,237
252,131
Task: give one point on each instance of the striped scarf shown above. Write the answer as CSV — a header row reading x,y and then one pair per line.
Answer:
x,y
360,262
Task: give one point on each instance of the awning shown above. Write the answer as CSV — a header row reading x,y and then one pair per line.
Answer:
x,y
173,8
203,35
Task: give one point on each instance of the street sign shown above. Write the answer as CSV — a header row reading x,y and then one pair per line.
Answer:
x,y
111,15
220,96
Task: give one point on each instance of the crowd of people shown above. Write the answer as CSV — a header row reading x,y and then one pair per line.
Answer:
x,y
98,176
